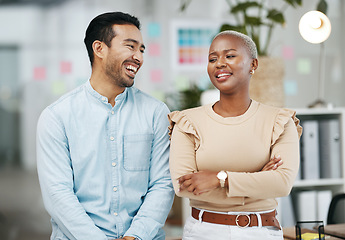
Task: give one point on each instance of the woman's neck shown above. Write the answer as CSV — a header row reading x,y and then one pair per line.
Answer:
x,y
232,107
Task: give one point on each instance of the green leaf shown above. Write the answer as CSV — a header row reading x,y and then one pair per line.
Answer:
x,y
190,98
255,21
322,6
184,5
276,16
244,6
238,28
294,3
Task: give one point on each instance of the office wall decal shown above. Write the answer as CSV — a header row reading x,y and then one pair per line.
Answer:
x,y
303,66
65,67
190,43
154,49
39,73
181,82
288,52
156,75
154,30
290,87
58,87
160,95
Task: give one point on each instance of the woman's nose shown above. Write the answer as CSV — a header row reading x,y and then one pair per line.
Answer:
x,y
220,62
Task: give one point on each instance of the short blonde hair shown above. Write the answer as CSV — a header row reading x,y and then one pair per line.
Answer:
x,y
248,42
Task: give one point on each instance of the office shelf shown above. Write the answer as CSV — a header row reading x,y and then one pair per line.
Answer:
x,y
313,191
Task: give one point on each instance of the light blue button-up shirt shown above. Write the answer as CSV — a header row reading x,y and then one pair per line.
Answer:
x,y
104,170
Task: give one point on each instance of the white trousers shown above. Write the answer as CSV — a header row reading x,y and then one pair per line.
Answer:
x,y
199,230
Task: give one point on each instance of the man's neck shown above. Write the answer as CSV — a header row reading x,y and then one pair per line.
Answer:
x,y
106,88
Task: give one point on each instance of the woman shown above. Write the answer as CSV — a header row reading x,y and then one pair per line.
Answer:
x,y
220,153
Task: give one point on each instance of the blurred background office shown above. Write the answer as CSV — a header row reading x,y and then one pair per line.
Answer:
x,y
42,56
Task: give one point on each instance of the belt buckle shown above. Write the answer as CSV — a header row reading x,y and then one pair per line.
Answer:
x,y
237,220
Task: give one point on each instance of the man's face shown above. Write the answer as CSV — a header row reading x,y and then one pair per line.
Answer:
x,y
125,55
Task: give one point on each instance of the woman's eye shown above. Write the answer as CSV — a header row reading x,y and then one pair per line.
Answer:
x,y
230,56
212,60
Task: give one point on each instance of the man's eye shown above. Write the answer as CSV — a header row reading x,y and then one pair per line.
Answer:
x,y
230,56
131,46
142,50
212,60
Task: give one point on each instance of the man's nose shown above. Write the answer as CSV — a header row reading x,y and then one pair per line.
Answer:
x,y
138,57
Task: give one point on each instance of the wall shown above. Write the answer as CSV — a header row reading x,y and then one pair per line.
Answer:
x,y
49,37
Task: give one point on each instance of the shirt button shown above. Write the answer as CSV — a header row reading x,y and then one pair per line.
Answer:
x,y
115,189
104,99
112,138
113,164
112,112
115,213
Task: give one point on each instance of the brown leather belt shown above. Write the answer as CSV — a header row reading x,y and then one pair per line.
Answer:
x,y
241,220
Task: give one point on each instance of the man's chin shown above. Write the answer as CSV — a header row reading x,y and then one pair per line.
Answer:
x,y
128,83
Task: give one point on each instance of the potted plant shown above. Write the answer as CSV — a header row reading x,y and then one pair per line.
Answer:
x,y
255,19
258,20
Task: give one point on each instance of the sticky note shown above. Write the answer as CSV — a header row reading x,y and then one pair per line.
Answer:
x,y
39,73
288,53
182,83
156,75
303,66
154,49
311,236
290,88
65,67
154,30
58,87
160,95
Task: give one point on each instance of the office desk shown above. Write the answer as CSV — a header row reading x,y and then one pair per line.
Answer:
x,y
290,234
336,230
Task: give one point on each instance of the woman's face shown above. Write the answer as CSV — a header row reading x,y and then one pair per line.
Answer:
x,y
229,64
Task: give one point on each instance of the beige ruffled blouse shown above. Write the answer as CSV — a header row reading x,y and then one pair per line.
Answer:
x,y
242,145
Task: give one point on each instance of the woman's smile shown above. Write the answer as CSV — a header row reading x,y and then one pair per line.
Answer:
x,y
223,75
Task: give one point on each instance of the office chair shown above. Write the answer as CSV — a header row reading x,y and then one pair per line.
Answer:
x,y
336,211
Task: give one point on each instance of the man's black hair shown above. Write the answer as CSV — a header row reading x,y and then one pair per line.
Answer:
x,y
101,28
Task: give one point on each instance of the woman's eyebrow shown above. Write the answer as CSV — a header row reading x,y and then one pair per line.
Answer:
x,y
224,51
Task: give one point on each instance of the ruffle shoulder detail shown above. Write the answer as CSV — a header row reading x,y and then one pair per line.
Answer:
x,y
282,119
181,120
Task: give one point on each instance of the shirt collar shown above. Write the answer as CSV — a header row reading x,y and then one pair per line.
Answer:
x,y
102,98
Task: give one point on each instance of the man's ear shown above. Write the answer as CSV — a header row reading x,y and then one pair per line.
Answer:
x,y
99,48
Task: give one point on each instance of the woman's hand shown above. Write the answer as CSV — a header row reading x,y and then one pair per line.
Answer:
x,y
204,181
273,164
199,182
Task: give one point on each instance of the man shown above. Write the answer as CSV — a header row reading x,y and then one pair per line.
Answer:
x,y
103,148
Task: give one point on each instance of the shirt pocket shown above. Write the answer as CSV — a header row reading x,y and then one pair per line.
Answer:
x,y
137,152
